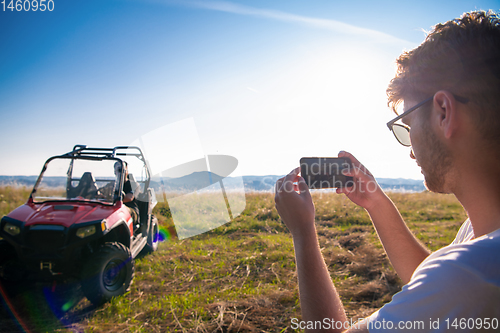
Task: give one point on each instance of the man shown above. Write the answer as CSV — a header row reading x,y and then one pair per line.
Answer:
x,y
128,192
450,87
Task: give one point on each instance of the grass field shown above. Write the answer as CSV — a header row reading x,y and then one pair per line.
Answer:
x,y
241,276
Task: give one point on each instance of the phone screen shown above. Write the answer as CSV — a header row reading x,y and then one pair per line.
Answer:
x,y
325,172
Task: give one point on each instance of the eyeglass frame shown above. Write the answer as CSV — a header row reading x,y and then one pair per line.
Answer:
x,y
391,123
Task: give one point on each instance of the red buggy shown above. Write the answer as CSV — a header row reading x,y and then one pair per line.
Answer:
x,y
75,224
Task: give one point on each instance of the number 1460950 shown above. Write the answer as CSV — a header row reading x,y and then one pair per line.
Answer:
x,y
27,5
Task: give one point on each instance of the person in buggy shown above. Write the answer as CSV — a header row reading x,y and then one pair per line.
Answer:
x,y
128,191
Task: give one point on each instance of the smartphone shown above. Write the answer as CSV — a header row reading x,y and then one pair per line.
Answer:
x,y
325,172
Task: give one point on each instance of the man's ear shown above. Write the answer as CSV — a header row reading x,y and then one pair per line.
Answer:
x,y
445,112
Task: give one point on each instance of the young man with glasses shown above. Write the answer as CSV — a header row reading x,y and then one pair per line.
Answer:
x,y
450,88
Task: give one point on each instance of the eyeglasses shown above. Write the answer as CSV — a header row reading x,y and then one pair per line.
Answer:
x,y
402,132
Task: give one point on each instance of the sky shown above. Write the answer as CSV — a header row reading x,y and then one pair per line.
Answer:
x,y
267,82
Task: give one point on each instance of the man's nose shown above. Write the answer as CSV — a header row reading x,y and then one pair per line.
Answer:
x,y
412,155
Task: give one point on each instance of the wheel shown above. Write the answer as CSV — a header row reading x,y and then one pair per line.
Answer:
x,y
108,273
7,262
7,252
12,272
153,236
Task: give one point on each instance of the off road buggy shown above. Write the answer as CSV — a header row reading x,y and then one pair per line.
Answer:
x,y
75,224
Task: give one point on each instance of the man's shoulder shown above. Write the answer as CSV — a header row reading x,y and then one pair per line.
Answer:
x,y
485,248
459,280
478,256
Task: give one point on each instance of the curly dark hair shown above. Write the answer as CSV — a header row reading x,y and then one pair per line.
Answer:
x,y
461,56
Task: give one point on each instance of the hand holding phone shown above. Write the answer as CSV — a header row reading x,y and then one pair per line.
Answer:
x,y
325,172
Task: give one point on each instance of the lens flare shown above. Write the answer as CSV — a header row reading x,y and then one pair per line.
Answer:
x,y
12,311
166,233
67,306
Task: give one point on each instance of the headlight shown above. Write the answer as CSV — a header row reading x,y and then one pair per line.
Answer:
x,y
86,231
12,229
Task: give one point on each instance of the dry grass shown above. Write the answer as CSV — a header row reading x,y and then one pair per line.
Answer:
x,y
241,276
12,197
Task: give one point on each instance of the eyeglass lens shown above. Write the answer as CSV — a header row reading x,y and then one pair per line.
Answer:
x,y
401,133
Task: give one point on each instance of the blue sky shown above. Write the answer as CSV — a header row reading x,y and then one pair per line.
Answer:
x,y
264,81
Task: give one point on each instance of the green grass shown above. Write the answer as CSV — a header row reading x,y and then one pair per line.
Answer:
x,y
241,276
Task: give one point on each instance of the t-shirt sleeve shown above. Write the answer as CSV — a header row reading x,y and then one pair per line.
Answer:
x,y
442,292
465,233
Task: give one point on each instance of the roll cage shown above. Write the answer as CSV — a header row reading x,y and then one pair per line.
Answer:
x,y
82,152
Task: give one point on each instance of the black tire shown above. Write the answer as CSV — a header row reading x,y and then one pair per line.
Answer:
x,y
108,273
7,252
12,273
7,256
153,236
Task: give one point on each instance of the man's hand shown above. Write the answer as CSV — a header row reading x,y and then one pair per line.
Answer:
x,y
403,249
295,209
365,192
128,197
318,297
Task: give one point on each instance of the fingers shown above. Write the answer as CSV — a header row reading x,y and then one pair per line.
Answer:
x,y
302,187
355,163
278,185
287,183
288,193
345,190
353,159
355,172
293,174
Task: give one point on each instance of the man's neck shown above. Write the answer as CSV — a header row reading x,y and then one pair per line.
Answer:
x,y
479,194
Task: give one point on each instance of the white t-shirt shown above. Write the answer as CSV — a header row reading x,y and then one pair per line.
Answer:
x,y
456,288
